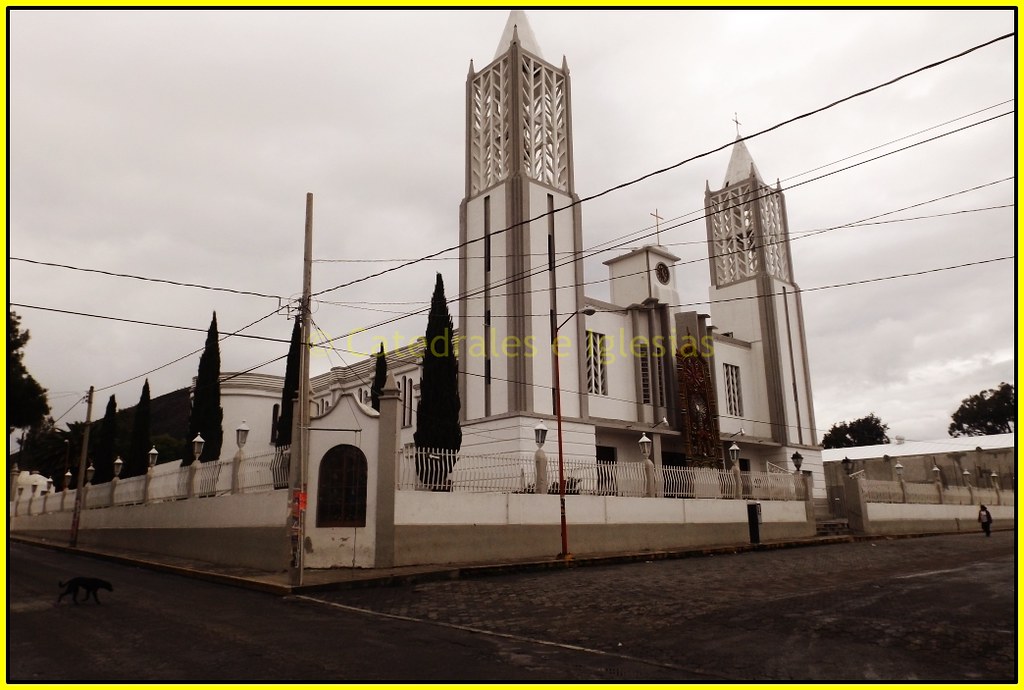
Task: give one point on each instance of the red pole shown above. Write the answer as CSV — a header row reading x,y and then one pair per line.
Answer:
x,y
561,464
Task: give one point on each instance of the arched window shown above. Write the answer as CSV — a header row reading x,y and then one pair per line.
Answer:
x,y
341,493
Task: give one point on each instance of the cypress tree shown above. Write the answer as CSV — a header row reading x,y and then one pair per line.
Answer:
x,y
380,377
106,445
437,413
207,416
138,452
291,387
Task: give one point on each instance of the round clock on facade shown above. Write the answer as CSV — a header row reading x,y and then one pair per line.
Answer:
x,y
661,271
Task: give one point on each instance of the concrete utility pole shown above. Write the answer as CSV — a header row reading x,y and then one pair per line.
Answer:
x,y
300,455
79,493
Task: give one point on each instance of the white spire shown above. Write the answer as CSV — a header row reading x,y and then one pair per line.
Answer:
x,y
518,25
740,165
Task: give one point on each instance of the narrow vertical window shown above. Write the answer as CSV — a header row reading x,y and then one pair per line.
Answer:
x,y
551,232
645,373
273,423
733,394
659,373
597,373
487,233
487,347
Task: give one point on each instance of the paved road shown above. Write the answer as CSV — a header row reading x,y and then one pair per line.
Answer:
x,y
937,608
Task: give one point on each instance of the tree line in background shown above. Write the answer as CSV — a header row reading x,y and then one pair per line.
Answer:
x,y
989,412
127,434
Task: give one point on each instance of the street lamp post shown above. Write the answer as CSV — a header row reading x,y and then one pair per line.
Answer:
x,y
798,460
241,436
645,450
197,450
588,311
540,460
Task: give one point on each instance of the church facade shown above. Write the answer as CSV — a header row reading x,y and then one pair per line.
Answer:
x,y
708,389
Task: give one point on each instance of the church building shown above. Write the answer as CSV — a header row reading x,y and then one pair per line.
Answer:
x,y
710,389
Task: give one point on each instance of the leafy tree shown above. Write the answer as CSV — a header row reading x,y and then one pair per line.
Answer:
x,y
437,414
291,387
207,415
170,448
866,431
988,412
137,461
380,377
26,399
106,447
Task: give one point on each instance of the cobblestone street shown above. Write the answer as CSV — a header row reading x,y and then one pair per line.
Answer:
x,y
935,608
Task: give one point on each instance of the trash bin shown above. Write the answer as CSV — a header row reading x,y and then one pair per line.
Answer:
x,y
754,522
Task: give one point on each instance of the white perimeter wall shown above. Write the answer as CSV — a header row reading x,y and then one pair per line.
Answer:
x,y
429,508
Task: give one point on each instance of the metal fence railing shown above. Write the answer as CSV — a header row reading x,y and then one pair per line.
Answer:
x,y
435,470
265,472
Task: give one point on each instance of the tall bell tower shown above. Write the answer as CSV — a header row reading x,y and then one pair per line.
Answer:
x,y
518,280
755,299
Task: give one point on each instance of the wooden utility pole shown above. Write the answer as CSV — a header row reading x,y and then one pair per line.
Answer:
x,y
300,441
79,491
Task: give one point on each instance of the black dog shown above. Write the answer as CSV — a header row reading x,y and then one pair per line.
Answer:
x,y
89,584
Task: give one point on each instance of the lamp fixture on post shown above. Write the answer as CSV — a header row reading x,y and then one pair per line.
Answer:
x,y
67,480
992,479
797,459
967,478
90,471
645,447
899,469
588,311
734,454
118,464
242,434
197,446
540,434
847,465
153,454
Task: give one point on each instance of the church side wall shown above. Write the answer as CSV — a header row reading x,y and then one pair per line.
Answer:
x,y
539,302
620,367
435,528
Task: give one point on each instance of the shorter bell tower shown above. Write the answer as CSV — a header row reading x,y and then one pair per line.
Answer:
x,y
756,306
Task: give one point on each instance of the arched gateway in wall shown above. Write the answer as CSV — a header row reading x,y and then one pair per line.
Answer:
x,y
341,491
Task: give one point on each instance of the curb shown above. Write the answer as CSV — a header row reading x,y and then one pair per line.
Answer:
x,y
464,571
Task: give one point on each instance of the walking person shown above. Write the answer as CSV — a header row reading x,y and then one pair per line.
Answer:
x,y
985,518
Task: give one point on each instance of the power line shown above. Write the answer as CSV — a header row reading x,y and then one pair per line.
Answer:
x,y
647,228
675,165
165,281
142,323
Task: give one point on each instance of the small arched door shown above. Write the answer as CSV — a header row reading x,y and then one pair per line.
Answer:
x,y
341,491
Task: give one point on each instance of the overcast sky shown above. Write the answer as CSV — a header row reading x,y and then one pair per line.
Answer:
x,y
180,145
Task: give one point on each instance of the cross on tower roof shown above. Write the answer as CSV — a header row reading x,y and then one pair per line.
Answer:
x,y
657,227
736,119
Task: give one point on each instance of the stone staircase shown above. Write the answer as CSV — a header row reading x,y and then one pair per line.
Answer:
x,y
831,528
827,525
